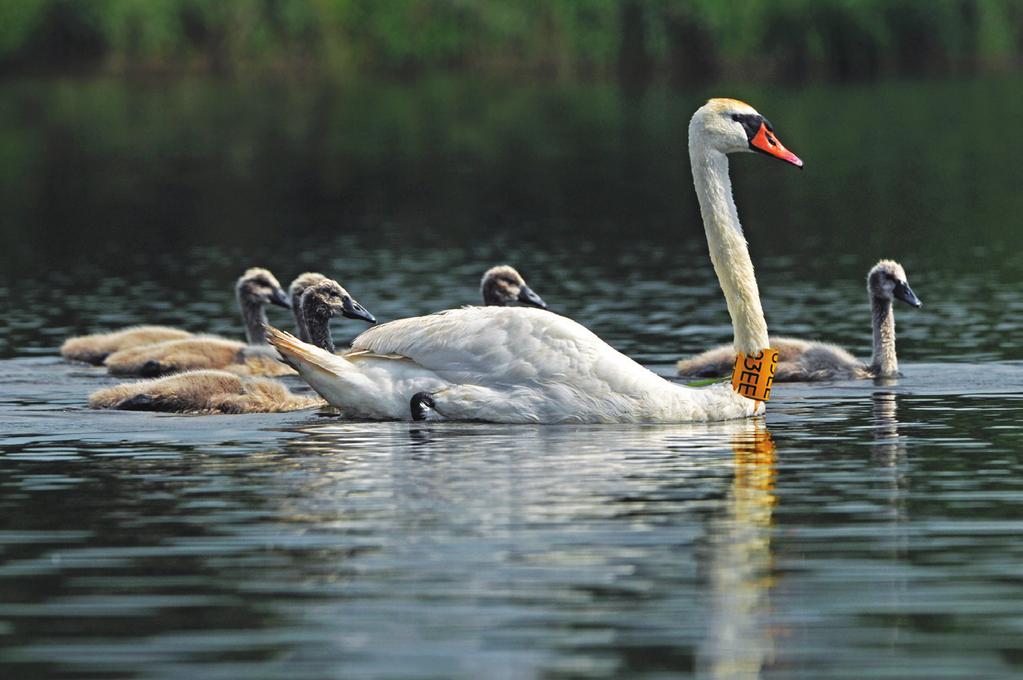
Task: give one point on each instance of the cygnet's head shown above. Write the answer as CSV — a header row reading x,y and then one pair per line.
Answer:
x,y
502,285
887,281
328,299
299,286
732,126
257,286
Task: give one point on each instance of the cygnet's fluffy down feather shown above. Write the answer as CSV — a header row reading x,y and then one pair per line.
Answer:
x,y
195,353
205,392
96,347
798,361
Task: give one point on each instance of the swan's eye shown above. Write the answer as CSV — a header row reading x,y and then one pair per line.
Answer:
x,y
750,122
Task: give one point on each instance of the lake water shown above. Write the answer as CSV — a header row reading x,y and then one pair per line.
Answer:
x,y
860,530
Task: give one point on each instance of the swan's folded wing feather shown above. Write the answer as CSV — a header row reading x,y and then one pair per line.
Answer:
x,y
467,341
504,345
294,351
355,355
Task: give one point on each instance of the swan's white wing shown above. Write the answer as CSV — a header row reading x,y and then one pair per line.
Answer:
x,y
506,346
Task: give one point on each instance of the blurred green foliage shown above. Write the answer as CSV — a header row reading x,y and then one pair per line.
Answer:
x,y
684,40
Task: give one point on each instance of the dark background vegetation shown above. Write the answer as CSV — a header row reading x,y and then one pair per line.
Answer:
x,y
677,40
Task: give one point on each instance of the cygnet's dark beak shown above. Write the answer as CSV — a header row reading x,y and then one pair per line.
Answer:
x,y
528,297
903,292
280,298
353,310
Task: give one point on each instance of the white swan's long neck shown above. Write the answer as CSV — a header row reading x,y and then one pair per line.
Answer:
x,y
728,249
884,363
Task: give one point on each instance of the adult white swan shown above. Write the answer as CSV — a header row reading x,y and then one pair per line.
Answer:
x,y
522,365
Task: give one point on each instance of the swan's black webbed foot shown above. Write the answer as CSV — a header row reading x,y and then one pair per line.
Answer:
x,y
419,403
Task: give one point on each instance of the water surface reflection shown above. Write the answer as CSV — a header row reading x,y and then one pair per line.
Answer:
x,y
146,545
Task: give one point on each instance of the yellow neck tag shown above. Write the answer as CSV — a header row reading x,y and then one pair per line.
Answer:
x,y
753,375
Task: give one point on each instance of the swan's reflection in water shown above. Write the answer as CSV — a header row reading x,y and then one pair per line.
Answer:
x,y
889,449
662,529
739,641
889,455
888,452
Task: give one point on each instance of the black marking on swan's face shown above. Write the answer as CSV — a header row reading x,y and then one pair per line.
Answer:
x,y
751,123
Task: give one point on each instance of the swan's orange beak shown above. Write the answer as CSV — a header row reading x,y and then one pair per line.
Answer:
x,y
766,141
